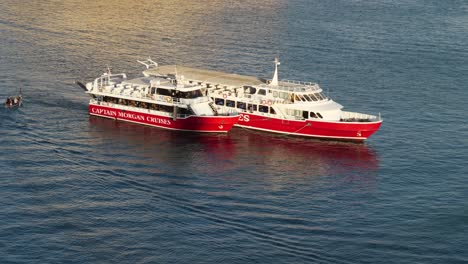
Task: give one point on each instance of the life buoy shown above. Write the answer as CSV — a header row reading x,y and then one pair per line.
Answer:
x,y
224,96
263,102
270,102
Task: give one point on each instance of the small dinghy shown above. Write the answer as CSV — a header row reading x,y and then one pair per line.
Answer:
x,y
14,101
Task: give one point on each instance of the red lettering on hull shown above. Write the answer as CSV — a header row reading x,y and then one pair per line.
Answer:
x,y
191,123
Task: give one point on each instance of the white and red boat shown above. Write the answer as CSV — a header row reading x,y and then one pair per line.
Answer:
x,y
159,101
286,107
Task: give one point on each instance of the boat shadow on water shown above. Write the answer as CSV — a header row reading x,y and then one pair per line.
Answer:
x,y
239,150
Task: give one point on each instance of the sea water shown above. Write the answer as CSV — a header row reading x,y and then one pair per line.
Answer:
x,y
80,189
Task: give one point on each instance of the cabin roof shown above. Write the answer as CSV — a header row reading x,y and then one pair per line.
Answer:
x,y
160,83
206,76
144,81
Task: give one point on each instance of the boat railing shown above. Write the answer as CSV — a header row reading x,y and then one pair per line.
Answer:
x,y
135,95
295,86
358,117
227,111
106,80
197,100
298,82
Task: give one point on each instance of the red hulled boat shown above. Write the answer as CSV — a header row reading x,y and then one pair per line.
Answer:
x,y
285,107
160,101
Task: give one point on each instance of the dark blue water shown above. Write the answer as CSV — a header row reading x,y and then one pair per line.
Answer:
x,y
77,189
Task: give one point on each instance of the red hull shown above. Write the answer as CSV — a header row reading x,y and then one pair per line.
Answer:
x,y
352,131
191,123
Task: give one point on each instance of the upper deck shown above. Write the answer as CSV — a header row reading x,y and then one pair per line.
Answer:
x,y
212,79
205,77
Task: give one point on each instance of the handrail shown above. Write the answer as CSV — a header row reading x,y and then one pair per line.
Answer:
x,y
298,86
358,117
299,82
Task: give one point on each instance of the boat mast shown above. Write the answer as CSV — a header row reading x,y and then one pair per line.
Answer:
x,y
274,81
108,74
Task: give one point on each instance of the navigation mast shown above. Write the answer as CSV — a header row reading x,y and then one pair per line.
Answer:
x,y
274,81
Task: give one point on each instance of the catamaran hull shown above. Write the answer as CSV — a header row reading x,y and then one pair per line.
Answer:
x,y
346,131
210,124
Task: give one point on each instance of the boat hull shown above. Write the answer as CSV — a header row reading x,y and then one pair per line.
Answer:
x,y
346,131
210,124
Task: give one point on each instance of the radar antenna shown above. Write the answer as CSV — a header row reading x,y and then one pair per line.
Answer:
x,y
149,63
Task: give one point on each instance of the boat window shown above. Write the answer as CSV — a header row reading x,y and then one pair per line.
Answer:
x,y
184,95
241,105
272,111
313,115
302,98
156,107
128,102
319,97
166,108
262,92
252,107
183,111
319,115
219,101
230,103
191,94
250,90
263,108
153,90
305,114
307,97
313,97
163,91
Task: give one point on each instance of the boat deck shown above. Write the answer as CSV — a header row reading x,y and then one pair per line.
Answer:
x,y
206,76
